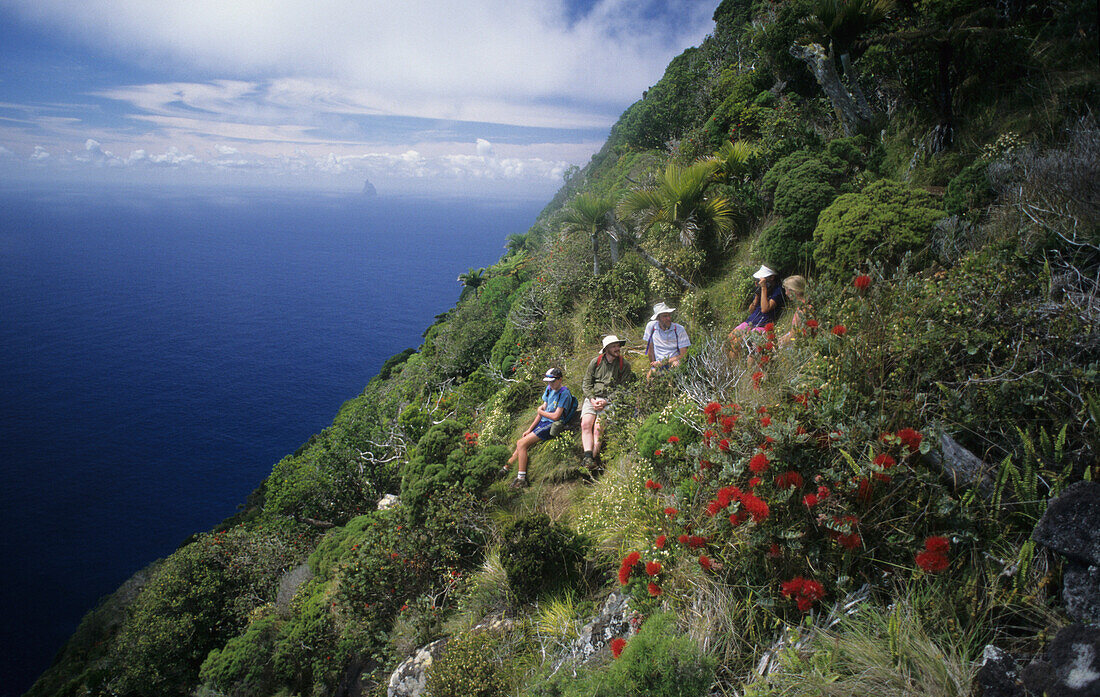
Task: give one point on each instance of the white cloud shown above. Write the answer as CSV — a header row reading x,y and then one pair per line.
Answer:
x,y
496,60
5,153
40,153
226,150
484,148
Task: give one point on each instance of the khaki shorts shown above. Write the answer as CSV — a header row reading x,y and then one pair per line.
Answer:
x,y
587,408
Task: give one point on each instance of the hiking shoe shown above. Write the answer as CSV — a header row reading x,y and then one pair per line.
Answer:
x,y
504,471
518,483
588,462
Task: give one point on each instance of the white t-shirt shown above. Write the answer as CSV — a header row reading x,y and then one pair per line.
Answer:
x,y
666,342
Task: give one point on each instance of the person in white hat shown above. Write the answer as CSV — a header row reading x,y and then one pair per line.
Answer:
x,y
605,372
767,303
666,342
558,406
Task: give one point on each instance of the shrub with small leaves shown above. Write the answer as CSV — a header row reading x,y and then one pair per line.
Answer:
x,y
540,556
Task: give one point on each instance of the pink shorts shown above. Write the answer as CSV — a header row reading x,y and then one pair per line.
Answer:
x,y
745,325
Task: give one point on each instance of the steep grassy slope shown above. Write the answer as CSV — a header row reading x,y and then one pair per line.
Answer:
x,y
948,162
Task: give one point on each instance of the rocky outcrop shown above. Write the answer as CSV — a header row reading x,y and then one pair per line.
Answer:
x,y
1071,527
411,677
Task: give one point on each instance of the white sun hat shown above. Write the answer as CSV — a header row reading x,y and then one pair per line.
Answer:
x,y
612,339
660,309
764,272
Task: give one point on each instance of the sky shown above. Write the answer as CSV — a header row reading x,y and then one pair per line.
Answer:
x,y
408,94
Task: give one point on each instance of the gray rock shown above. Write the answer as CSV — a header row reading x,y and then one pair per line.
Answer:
x,y
998,676
289,584
960,467
411,677
614,620
1071,667
1071,524
388,501
1081,592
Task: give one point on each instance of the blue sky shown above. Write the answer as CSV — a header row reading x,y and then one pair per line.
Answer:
x,y
412,94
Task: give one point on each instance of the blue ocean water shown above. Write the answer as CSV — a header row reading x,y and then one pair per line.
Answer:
x,y
160,351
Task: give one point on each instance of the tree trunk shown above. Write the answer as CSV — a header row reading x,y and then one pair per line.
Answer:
x,y
852,82
595,252
613,245
943,135
821,65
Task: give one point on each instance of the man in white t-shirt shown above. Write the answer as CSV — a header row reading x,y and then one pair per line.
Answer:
x,y
666,342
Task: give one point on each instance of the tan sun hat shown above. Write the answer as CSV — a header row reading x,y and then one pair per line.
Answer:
x,y
660,309
612,339
764,272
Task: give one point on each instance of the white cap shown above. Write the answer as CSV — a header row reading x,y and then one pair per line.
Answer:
x,y
764,272
552,375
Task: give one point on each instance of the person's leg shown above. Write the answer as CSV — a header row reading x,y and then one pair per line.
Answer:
x,y
587,423
597,428
522,445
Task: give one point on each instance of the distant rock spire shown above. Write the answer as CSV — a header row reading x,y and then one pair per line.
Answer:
x,y
368,189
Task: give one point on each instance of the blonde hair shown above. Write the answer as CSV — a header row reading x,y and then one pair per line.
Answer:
x,y
795,285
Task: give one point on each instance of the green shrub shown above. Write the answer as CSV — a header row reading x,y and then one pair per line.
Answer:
x,y
327,480
540,556
783,247
444,460
882,222
653,437
969,190
668,107
469,667
414,421
618,297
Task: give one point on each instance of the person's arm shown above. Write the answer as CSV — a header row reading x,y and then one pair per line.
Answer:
x,y
589,382
538,417
766,303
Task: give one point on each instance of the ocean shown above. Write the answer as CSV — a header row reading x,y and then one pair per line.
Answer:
x,y
161,350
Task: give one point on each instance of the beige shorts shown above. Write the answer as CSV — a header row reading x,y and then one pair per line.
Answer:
x,y
587,408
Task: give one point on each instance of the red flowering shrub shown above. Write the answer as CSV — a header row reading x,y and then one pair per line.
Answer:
x,y
653,568
789,480
659,543
861,282
673,439
934,557
627,567
650,484
839,330
759,463
705,562
654,589
671,512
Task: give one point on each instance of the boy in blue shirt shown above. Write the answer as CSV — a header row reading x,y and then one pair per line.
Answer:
x,y
555,401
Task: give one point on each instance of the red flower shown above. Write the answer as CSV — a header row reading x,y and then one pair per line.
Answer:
x,y
754,482
657,452
673,439
756,377
805,591
653,589
652,568
650,484
713,507
850,540
738,518
840,330
705,562
937,544
822,492
769,326
711,410
759,463
809,500
628,566
789,480
862,282
762,409
683,539
695,542
910,438
617,646
766,421
932,562
724,445
811,324
727,494
659,543
671,512
885,461
728,422
756,507
865,489
773,551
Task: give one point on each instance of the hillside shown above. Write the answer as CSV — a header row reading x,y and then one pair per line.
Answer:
x,y
840,505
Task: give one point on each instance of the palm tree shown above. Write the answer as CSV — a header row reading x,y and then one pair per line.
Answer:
x,y
592,214
733,160
832,29
680,201
472,280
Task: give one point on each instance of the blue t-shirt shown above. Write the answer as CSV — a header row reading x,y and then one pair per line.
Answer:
x,y
553,401
758,318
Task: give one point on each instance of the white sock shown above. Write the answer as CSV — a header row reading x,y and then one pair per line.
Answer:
x,y
521,475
